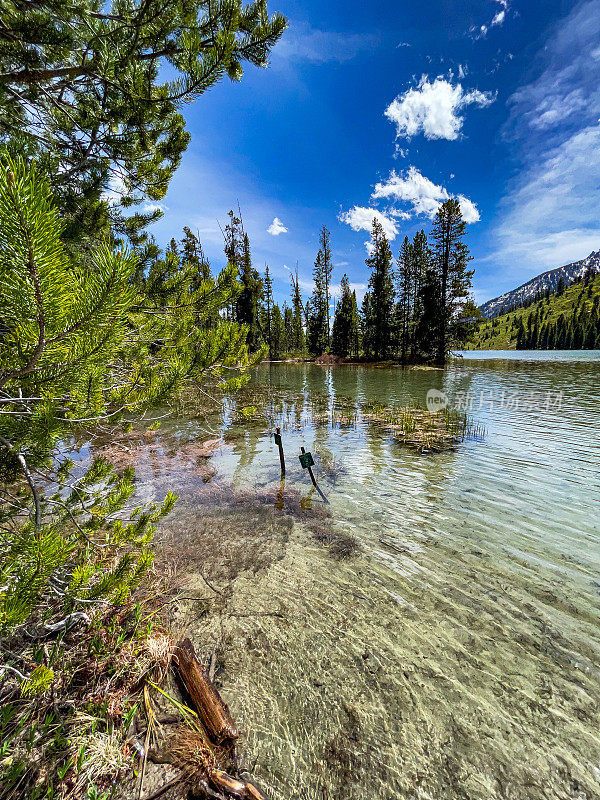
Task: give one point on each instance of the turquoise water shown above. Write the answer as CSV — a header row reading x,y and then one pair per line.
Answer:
x,y
533,355
452,649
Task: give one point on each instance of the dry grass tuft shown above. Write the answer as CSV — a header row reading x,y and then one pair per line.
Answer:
x,y
159,649
101,755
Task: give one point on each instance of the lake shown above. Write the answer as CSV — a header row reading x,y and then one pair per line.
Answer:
x,y
431,632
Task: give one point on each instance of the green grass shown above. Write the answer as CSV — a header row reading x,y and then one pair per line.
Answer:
x,y
500,333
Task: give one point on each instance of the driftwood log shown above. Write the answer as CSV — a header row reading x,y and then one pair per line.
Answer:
x,y
191,752
212,710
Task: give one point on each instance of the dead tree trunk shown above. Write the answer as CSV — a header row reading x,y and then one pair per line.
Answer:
x,y
212,710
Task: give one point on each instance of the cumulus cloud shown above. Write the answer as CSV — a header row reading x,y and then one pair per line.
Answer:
x,y
276,227
432,109
470,212
423,195
360,218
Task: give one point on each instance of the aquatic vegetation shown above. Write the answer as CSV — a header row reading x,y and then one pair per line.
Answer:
x,y
423,430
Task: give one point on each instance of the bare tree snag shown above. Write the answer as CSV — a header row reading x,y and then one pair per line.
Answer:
x,y
212,710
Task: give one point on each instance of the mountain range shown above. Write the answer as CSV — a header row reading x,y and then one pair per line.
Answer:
x,y
547,280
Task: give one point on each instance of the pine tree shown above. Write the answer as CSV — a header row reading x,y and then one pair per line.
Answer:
x,y
404,306
327,270
467,324
93,92
288,323
279,344
247,307
297,341
451,258
268,285
246,310
318,340
345,323
193,255
578,334
426,335
367,326
520,335
80,343
355,349
379,323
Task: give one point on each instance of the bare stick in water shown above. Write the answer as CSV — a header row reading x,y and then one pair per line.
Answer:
x,y
279,443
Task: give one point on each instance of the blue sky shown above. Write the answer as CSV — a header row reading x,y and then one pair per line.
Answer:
x,y
388,108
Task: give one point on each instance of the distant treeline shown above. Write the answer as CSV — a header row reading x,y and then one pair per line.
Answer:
x,y
415,310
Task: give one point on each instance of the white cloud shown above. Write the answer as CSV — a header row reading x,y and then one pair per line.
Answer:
x,y
432,109
498,19
478,32
359,288
399,214
470,212
150,208
276,227
500,15
361,219
423,195
116,191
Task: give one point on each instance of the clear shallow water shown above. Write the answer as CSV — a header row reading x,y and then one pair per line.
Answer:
x,y
533,355
456,654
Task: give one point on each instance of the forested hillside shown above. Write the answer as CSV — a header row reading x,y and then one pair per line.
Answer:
x,y
568,319
547,281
